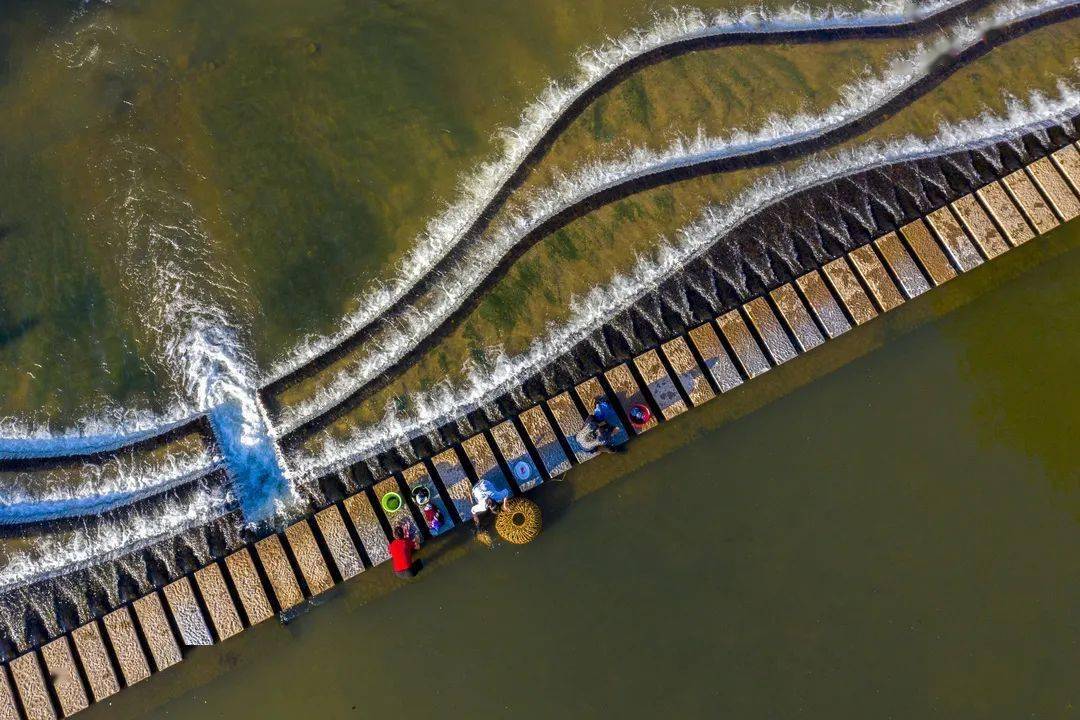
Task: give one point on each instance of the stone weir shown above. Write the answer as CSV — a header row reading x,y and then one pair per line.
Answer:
x,y
680,347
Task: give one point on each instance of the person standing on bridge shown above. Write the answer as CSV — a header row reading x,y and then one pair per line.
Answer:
x,y
401,551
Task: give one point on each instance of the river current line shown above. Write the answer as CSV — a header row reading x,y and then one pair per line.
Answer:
x,y
709,38
670,171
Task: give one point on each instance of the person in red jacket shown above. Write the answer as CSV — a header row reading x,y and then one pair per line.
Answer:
x,y
401,550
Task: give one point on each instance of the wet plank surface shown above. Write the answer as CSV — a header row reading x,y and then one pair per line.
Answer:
x,y
512,448
1005,213
1067,160
90,647
417,476
338,542
248,586
30,683
687,370
823,303
570,421
218,601
747,352
955,239
717,361
1057,191
404,514
979,225
155,627
485,465
120,627
659,384
928,252
362,515
628,393
850,292
542,437
186,613
797,317
1029,200
8,709
770,330
458,487
876,277
904,268
279,572
64,675
309,557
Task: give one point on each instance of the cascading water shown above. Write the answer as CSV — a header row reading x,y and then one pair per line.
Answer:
x,y
436,408
479,188
397,334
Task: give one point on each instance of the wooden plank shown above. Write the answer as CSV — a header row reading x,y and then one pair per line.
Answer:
x,y
219,602
279,572
64,675
309,557
746,349
482,457
849,290
591,389
980,226
1067,160
120,628
248,586
570,421
416,477
155,628
1029,200
928,252
30,683
716,358
404,514
659,384
688,372
364,520
543,439
186,613
512,448
876,277
454,478
821,301
8,709
332,526
628,394
770,330
956,242
903,267
1053,186
1005,213
797,317
90,647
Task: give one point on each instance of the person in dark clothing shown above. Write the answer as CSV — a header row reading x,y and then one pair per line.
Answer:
x,y
401,552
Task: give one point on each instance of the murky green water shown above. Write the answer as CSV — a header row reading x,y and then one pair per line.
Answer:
x,y
893,539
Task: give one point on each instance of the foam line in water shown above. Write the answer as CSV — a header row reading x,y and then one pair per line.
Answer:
x,y
484,189
436,408
391,342
35,497
57,554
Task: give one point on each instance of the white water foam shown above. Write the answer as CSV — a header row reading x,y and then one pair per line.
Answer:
x,y
64,552
477,187
447,402
857,99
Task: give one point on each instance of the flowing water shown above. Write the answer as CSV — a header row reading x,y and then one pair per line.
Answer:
x,y
893,539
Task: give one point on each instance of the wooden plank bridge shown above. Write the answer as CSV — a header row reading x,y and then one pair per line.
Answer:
x,y
343,540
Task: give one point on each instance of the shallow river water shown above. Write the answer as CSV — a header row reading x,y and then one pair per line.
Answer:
x,y
888,537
